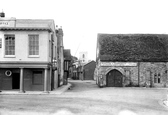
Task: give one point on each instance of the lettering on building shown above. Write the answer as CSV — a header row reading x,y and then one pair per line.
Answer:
x,y
4,23
118,64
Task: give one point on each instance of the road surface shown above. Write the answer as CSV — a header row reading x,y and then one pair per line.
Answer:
x,y
86,98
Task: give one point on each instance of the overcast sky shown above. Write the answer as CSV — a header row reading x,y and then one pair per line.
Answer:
x,y
81,20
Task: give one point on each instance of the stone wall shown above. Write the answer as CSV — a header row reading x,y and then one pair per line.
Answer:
x,y
148,72
145,74
130,74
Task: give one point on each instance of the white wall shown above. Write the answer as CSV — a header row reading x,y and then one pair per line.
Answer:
x,y
21,46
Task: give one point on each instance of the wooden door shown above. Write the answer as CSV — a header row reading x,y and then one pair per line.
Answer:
x,y
114,78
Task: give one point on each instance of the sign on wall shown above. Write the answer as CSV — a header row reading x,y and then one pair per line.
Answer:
x,y
118,64
7,22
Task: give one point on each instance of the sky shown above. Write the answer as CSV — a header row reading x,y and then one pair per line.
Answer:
x,y
82,20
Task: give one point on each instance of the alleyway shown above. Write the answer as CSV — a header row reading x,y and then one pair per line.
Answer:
x,y
86,98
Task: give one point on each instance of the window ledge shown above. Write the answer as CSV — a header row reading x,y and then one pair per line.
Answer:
x,y
33,56
10,56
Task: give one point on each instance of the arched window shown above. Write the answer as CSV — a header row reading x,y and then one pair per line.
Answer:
x,y
155,78
159,78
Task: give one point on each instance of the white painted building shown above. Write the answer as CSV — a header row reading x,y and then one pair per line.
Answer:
x,y
28,50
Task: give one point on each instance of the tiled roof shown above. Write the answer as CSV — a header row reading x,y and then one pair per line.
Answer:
x,y
133,47
89,62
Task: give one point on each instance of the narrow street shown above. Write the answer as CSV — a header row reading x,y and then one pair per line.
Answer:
x,y
86,98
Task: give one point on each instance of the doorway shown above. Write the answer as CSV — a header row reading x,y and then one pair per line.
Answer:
x,y
16,81
114,78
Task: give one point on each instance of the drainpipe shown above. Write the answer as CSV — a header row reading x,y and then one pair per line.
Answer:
x,y
51,68
138,74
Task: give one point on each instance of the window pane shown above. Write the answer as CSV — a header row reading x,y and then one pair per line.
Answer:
x,y
159,80
33,45
9,45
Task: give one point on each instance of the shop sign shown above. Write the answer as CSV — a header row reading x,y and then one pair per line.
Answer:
x,y
7,23
118,64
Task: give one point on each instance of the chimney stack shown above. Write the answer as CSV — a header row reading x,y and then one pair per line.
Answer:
x,y
2,14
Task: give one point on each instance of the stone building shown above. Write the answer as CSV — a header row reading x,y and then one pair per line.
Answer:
x,y
60,55
67,64
132,60
83,57
28,54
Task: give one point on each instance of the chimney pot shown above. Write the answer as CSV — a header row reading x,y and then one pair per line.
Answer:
x,y
2,14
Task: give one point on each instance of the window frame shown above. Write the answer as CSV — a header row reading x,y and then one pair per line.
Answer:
x,y
34,46
157,78
11,43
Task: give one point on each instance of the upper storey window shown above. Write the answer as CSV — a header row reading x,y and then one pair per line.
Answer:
x,y
33,45
9,45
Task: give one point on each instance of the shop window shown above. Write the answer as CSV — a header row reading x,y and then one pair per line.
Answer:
x,y
37,78
33,44
9,45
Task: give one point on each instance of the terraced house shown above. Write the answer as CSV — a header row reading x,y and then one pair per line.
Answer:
x,y
28,54
132,60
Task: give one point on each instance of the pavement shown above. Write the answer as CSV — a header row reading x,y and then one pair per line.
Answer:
x,y
57,91
61,90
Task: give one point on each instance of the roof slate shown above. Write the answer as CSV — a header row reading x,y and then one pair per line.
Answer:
x,y
133,47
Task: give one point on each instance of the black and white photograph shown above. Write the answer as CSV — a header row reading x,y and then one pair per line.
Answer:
x,y
83,57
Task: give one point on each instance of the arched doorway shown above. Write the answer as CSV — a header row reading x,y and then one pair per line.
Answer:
x,y
114,78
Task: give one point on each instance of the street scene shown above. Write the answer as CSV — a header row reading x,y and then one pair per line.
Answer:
x,y
84,57
86,98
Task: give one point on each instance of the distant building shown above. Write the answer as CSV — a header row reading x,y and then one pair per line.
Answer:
x,y
60,55
67,64
132,60
28,55
83,57
74,68
88,70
